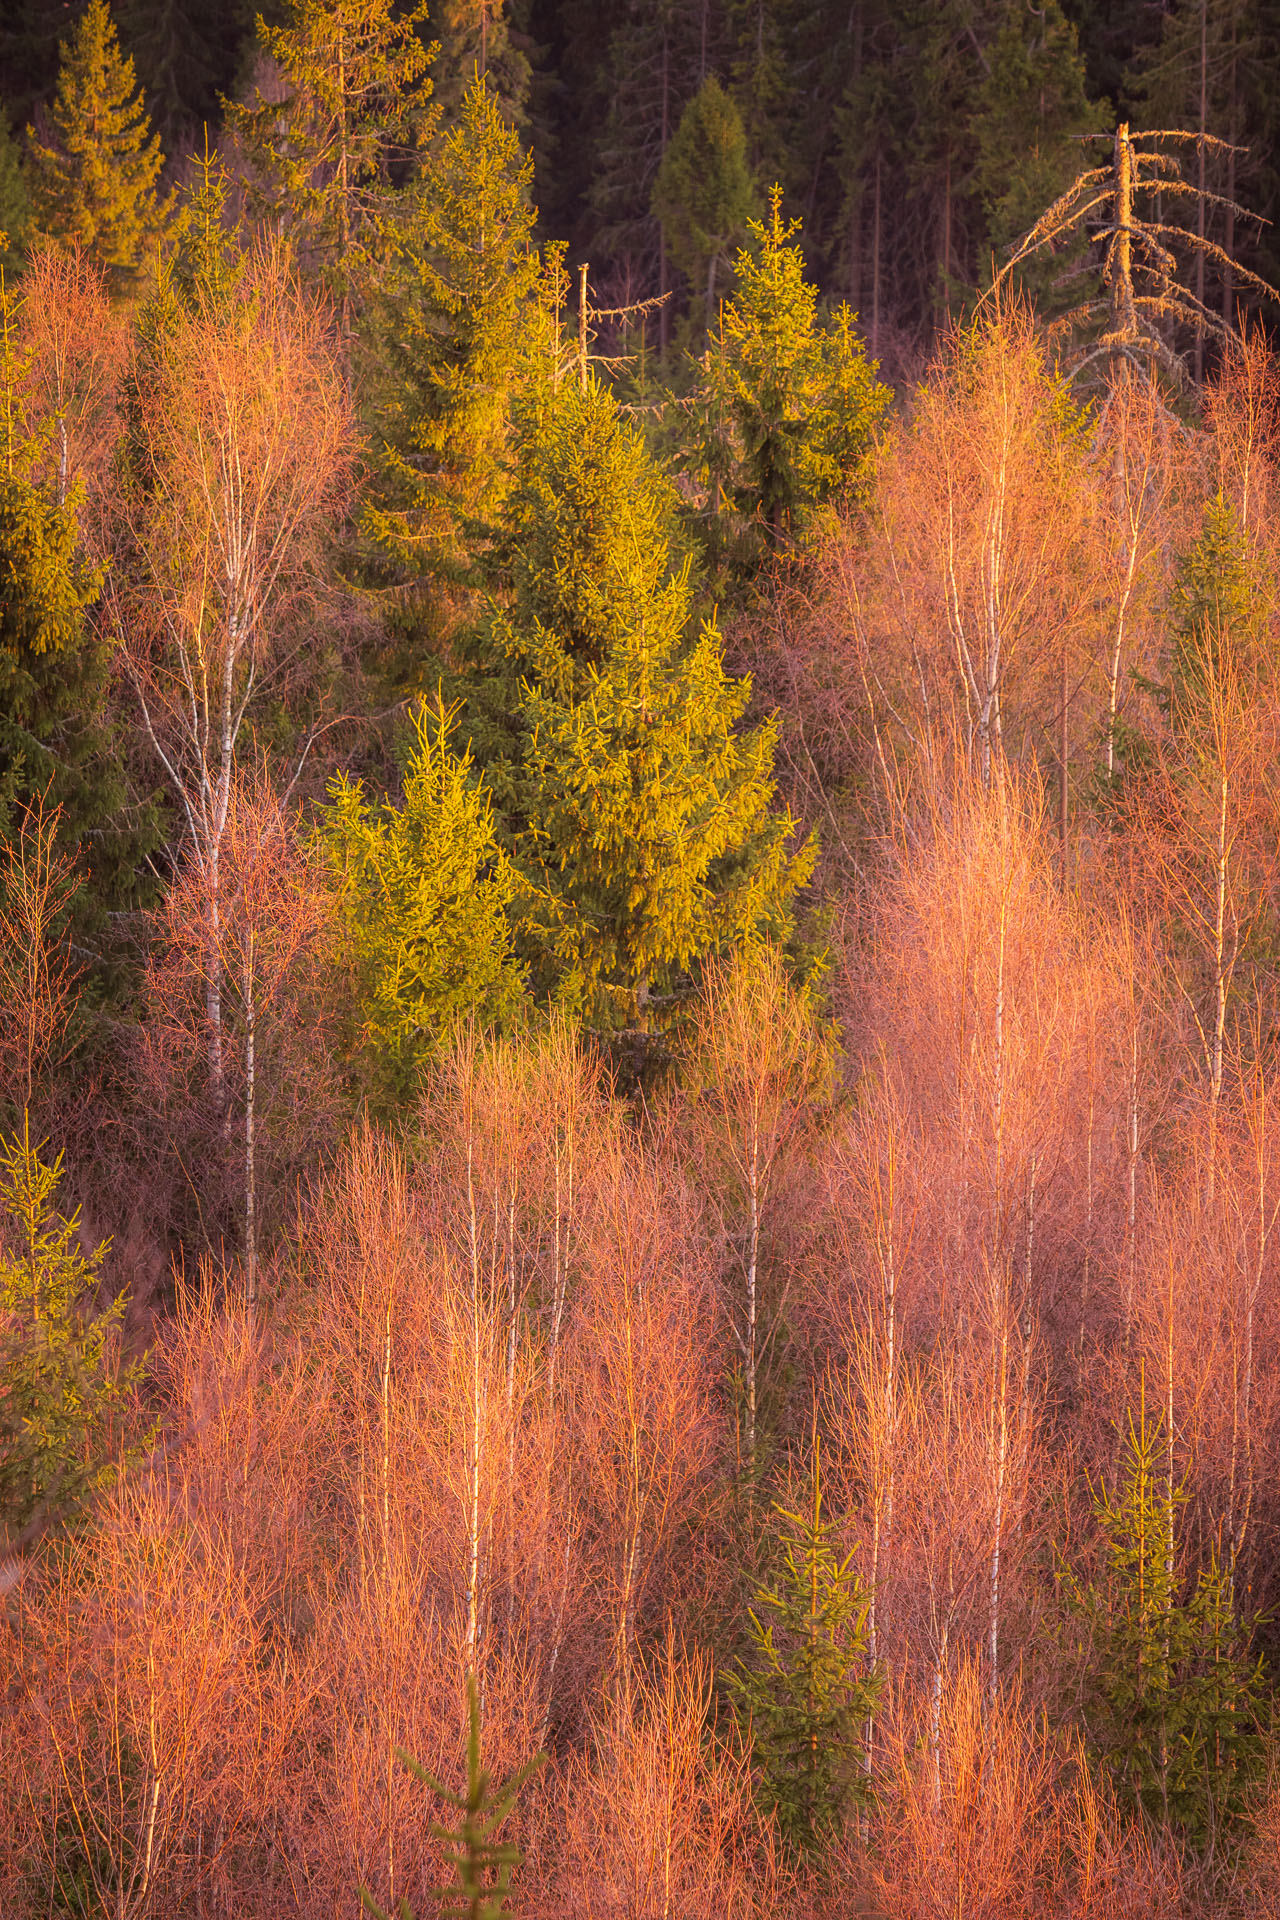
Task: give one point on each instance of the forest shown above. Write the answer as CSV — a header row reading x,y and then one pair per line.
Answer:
x,y
639,960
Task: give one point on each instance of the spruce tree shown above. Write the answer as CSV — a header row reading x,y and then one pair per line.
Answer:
x,y
787,405
645,812
1031,109
704,194
186,53
449,337
1216,619
424,891
55,740
475,41
61,1385
1173,1696
15,201
810,1686
331,159
94,182
481,1864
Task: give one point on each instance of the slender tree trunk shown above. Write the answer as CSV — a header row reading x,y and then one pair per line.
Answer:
x,y
1062,767
664,284
1200,182
250,1144
875,261
753,1269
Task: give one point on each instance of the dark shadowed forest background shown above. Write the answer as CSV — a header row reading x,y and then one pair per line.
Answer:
x,y
639,960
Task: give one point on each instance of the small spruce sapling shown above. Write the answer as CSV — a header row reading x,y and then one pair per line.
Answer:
x,y
424,891
482,1865
787,406
61,1385
1172,1692
811,1686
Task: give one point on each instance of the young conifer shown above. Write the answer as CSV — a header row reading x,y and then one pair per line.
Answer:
x,y
704,194
53,667
1172,1706
648,825
811,1686
60,1382
788,404
424,891
94,181
449,334
482,1864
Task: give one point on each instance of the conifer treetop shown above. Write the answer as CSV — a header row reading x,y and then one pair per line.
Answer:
x,y
94,181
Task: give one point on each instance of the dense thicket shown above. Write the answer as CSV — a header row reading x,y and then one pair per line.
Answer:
x,y
639,950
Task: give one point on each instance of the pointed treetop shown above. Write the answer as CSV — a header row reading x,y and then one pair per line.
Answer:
x,y
94,181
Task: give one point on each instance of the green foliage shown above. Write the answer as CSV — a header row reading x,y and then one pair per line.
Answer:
x,y
60,1384
643,814
448,335
788,405
186,53
704,195
1215,615
54,667
474,40
94,184
482,1864
331,159
810,1689
1031,109
424,890
1172,1708
15,201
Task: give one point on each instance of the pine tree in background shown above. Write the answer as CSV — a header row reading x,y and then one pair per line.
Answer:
x,y
655,59
649,829
424,890
186,53
479,39
787,406
331,157
15,201
94,182
448,335
811,1686
61,1384
1031,109
1216,70
1173,1703
704,195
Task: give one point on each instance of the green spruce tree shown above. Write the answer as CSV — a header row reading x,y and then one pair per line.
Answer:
x,y
704,195
1216,619
94,181
62,1386
787,405
475,40
332,158
15,201
481,1864
1031,109
55,738
644,813
810,1686
448,336
187,53
1173,1695
424,891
